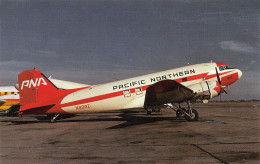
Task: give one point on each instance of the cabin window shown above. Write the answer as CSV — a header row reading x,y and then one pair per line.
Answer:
x,y
138,91
221,68
127,93
225,66
184,79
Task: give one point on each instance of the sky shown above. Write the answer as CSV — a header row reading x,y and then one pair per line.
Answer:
x,y
94,42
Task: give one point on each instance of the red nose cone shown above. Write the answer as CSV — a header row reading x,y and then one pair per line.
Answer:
x,y
230,79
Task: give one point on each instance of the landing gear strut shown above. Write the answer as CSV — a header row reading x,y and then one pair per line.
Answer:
x,y
180,112
189,114
53,117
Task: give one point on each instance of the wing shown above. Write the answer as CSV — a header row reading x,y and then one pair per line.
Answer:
x,y
167,91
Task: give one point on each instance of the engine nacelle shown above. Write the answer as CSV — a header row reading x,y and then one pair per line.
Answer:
x,y
206,89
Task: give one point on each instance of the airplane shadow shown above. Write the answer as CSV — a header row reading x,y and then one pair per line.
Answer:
x,y
134,120
130,118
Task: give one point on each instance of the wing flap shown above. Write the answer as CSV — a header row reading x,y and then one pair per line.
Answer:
x,y
167,91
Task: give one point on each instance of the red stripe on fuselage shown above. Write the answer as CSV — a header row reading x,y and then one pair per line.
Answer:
x,y
132,90
95,98
215,75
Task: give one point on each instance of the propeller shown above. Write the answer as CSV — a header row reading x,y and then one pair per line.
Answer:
x,y
219,81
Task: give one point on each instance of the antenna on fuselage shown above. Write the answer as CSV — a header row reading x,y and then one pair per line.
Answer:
x,y
211,61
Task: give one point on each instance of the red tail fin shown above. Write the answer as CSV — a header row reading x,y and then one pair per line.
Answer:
x,y
34,89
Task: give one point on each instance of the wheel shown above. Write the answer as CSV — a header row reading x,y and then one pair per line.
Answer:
x,y
52,120
13,111
51,117
194,116
179,112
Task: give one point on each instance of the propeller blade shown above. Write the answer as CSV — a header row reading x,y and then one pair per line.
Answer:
x,y
226,91
218,77
222,89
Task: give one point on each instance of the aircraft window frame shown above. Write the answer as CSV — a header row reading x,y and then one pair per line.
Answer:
x,y
221,68
184,79
127,93
138,91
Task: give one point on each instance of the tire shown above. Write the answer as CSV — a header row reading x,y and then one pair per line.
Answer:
x,y
52,120
13,111
194,116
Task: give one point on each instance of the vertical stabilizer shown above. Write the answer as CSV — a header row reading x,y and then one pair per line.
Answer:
x,y
35,89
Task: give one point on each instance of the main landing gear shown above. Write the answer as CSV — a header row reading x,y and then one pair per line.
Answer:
x,y
189,114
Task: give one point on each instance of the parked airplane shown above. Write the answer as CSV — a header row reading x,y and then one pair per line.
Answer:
x,y
7,90
167,88
9,97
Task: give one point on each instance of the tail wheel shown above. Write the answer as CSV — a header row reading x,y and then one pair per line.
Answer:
x,y
53,117
193,115
52,120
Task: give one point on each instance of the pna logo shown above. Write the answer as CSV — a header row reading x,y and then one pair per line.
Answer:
x,y
30,83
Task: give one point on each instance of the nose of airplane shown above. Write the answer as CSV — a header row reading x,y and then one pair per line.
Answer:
x,y
239,74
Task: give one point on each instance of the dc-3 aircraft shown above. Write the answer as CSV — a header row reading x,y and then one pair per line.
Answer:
x,y
170,88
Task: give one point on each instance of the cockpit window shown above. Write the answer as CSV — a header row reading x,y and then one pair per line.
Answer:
x,y
223,67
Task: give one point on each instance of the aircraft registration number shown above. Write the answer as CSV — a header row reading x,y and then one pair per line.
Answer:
x,y
82,107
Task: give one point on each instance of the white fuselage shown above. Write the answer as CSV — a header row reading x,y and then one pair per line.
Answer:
x,y
130,93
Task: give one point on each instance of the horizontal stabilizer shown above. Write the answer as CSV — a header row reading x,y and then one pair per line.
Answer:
x,y
62,84
38,109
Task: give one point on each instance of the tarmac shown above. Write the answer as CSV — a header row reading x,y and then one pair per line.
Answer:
x,y
225,133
